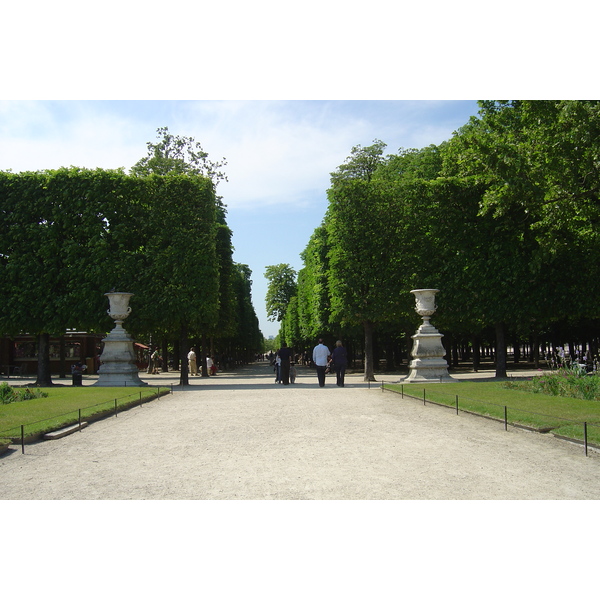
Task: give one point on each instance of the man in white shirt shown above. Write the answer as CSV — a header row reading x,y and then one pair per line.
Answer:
x,y
320,358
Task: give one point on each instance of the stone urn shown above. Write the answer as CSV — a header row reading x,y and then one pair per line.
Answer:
x,y
428,364
119,307
118,366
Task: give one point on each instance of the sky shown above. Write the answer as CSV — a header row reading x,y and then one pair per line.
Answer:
x,y
279,154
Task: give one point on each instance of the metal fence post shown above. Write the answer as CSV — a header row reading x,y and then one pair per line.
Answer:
x,y
423,396
115,407
80,420
22,439
505,419
456,403
585,437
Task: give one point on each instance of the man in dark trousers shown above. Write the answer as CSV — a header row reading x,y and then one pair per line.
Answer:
x,y
285,354
320,358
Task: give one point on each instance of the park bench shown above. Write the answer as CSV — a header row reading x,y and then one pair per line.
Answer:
x,y
54,435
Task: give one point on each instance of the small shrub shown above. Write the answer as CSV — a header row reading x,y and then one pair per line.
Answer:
x,y
565,381
10,394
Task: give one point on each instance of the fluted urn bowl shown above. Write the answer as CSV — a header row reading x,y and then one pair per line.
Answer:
x,y
119,305
425,301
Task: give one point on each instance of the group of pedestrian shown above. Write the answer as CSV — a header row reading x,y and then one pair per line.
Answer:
x,y
284,367
193,364
324,361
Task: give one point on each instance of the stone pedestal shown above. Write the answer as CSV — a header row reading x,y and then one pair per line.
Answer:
x,y
118,366
428,364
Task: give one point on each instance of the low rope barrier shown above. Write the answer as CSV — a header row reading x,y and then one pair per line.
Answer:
x,y
505,409
108,403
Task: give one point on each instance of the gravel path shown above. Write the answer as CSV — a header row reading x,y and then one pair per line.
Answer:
x,y
240,436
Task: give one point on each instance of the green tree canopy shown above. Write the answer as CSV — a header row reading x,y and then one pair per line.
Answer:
x,y
281,289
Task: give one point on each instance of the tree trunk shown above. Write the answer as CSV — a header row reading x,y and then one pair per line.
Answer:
x,y
184,349
44,377
476,353
165,355
204,354
369,370
535,349
62,367
500,350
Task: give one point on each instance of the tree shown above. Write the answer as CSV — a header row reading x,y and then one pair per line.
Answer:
x,y
357,223
281,289
539,163
314,303
180,155
58,242
361,164
183,156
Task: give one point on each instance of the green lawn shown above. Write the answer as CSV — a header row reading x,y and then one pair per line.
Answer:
x,y
62,406
564,416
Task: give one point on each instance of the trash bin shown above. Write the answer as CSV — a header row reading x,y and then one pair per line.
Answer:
x,y
90,366
77,373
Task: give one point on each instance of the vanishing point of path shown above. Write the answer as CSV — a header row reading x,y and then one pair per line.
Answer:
x,y
240,436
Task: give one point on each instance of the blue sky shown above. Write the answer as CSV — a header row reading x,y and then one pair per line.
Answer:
x,y
279,154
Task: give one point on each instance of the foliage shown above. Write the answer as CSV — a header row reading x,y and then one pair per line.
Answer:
x,y
361,164
10,394
174,154
281,289
568,378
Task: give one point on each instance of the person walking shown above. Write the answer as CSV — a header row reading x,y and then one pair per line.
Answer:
x,y
339,357
320,358
285,354
192,362
155,362
277,364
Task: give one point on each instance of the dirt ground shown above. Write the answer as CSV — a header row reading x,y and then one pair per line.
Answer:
x,y
239,436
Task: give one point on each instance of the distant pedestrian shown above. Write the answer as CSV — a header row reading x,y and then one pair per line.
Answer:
x,y
285,354
320,357
155,362
277,364
192,362
210,365
339,358
292,373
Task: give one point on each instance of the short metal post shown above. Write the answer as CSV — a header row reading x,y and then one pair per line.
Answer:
x,y
423,396
585,437
382,386
402,387
79,419
140,398
22,439
505,419
456,403
115,407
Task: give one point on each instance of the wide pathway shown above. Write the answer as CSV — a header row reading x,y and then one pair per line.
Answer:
x,y
240,436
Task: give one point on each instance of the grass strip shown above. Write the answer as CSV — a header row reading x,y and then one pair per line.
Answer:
x,y
62,406
561,415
